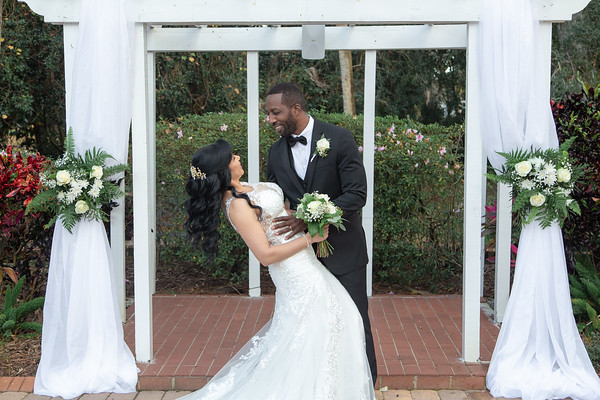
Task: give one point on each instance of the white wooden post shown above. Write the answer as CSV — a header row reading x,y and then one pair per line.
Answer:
x,y
151,95
70,35
253,156
502,264
142,235
369,157
472,210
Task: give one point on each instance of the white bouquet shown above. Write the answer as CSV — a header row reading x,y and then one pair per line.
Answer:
x,y
316,210
77,187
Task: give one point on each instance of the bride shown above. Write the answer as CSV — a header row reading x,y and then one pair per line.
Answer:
x,y
313,347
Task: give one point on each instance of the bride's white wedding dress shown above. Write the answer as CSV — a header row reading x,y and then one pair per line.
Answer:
x,y
313,347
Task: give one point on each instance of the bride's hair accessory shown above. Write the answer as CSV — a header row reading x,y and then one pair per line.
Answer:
x,y
197,173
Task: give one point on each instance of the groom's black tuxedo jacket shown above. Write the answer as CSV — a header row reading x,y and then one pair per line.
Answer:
x,y
341,175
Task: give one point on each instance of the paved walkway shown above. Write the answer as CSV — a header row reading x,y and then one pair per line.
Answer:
x,y
418,340
172,395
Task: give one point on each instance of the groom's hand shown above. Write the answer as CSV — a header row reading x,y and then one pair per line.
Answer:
x,y
289,225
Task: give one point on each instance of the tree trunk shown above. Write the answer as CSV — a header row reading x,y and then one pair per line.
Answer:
x,y
1,13
347,86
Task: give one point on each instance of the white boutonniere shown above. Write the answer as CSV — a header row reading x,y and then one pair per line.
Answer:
x,y
323,147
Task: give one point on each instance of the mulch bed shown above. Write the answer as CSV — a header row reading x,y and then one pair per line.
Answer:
x,y
20,355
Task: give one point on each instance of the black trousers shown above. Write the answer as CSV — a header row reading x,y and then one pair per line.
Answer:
x,y
355,283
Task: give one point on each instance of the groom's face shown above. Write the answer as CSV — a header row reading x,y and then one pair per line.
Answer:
x,y
281,116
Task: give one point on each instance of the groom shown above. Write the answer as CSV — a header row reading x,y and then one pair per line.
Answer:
x,y
334,168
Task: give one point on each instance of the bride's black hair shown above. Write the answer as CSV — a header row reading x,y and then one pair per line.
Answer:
x,y
209,179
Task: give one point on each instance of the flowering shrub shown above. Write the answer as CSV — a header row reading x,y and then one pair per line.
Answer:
x,y
19,183
577,115
24,244
417,203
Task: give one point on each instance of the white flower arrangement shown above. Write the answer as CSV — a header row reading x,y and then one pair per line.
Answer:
x,y
77,186
542,183
323,146
317,210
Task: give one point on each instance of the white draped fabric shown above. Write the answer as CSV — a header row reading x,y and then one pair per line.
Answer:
x,y
539,353
83,350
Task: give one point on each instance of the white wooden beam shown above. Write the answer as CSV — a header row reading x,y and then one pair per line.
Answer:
x,y
333,12
142,235
369,157
472,208
290,38
253,155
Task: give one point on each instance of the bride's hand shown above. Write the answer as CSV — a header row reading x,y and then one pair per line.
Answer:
x,y
319,238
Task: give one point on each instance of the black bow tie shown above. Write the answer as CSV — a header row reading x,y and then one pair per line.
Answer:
x,y
292,140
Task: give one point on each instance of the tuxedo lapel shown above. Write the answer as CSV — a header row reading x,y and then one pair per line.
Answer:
x,y
287,166
313,159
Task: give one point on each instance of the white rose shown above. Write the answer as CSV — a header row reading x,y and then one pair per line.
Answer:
x,y
537,200
322,145
81,207
523,168
63,177
563,175
96,172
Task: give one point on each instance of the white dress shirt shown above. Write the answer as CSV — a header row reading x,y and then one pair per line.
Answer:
x,y
300,152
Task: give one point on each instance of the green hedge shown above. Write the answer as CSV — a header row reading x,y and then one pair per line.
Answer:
x,y
417,202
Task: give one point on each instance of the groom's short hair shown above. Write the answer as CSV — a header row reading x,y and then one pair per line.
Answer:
x,y
290,94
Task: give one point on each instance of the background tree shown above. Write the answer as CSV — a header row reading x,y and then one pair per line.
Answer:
x,y
347,82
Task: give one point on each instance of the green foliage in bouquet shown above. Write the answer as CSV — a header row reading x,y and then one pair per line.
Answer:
x,y
585,295
77,186
542,182
12,317
317,211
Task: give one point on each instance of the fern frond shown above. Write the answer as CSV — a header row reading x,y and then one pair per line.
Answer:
x,y
70,143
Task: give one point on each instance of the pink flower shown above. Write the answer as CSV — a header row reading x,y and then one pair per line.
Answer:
x,y
416,165
378,134
427,161
446,166
419,137
392,128
220,112
410,153
381,148
179,134
360,148
442,151
224,128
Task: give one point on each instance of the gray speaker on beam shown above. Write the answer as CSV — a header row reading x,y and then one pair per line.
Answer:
x,y
313,42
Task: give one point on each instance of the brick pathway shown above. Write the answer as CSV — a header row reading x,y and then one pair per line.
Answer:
x,y
418,340
418,343
172,395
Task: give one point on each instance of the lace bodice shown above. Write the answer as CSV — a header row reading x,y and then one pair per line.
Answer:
x,y
269,197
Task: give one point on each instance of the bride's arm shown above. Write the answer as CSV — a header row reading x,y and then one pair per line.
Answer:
x,y
247,225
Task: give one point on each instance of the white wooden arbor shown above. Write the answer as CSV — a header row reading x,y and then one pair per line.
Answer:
x,y
270,25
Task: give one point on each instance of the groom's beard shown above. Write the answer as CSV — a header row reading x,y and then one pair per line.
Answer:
x,y
289,126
